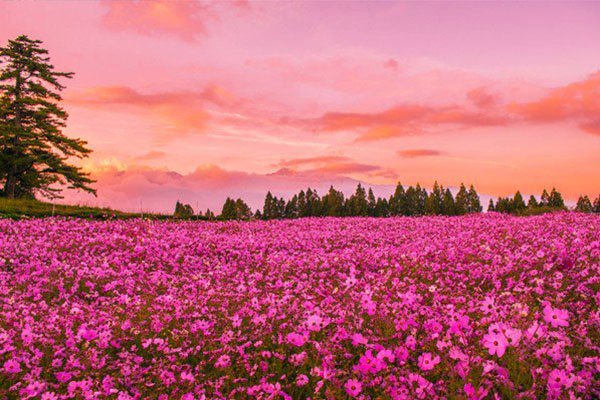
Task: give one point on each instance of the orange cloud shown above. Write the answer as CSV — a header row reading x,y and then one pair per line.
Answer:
x,y
592,126
391,63
408,120
419,153
578,101
183,110
398,115
183,19
347,168
331,165
312,160
481,98
152,155
385,132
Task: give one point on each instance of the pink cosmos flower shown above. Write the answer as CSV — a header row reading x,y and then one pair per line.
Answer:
x,y
513,336
473,394
411,342
488,305
469,389
385,354
556,317
12,366
27,336
369,306
314,323
301,380
353,387
358,339
89,334
63,376
496,343
296,339
401,354
557,379
426,362
223,362
49,396
369,363
535,331
187,376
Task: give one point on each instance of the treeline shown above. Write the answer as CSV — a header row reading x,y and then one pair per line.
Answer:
x,y
410,201
549,202
585,205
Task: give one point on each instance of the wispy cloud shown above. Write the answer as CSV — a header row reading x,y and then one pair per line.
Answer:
x,y
151,155
414,153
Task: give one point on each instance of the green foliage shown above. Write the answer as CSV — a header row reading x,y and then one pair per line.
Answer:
x,y
235,209
552,202
448,205
584,205
555,200
333,203
183,210
357,204
473,203
518,205
462,200
597,205
33,149
412,201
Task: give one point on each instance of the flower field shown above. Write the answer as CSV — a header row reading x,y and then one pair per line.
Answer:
x,y
482,306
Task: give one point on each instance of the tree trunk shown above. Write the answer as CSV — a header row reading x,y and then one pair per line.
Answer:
x,y
11,180
11,184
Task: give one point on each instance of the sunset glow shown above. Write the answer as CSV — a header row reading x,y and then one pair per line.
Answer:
x,y
194,100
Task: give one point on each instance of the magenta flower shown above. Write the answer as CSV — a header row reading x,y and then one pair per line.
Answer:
x,y
557,379
386,355
488,305
301,380
513,336
63,376
218,310
223,362
426,362
369,364
495,343
358,339
556,317
353,387
314,323
296,339
12,366
89,334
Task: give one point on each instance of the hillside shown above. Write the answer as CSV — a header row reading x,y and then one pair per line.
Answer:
x,y
20,209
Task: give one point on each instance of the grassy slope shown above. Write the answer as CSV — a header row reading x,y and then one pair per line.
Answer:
x,y
19,208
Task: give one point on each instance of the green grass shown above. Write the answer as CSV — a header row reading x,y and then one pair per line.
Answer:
x,y
25,208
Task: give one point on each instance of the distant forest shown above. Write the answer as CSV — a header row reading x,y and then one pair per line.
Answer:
x,y
410,201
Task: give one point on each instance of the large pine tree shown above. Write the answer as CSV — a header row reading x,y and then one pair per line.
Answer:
x,y
33,150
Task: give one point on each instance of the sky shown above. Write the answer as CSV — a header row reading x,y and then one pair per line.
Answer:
x,y
194,101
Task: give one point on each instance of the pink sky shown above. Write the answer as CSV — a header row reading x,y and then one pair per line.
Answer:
x,y
197,100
